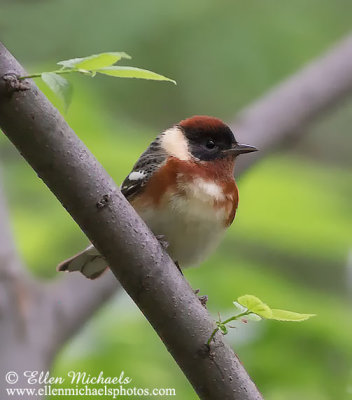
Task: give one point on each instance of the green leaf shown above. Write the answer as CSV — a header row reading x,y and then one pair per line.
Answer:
x,y
132,72
255,305
253,317
60,86
223,329
94,61
239,308
283,315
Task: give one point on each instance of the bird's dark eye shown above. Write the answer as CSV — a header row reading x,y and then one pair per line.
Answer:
x,y
210,144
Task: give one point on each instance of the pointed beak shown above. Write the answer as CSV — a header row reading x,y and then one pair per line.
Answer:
x,y
238,148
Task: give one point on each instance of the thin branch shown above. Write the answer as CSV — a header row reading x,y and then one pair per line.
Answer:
x,y
10,262
135,256
287,110
75,299
20,309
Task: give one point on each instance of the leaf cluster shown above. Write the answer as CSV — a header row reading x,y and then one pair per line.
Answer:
x,y
102,63
250,307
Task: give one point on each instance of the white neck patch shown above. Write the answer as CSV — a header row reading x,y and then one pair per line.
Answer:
x,y
174,143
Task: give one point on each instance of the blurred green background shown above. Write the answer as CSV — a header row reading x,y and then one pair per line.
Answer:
x,y
291,239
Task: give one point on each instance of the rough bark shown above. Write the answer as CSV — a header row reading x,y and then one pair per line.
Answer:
x,y
281,115
135,257
278,117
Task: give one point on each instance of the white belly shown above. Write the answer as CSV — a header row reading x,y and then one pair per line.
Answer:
x,y
189,223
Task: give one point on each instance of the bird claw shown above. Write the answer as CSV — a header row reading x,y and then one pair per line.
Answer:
x,y
203,299
161,239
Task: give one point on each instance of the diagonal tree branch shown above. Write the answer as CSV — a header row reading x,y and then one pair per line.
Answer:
x,y
277,117
150,277
284,113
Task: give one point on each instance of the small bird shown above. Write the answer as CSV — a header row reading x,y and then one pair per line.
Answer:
x,y
183,187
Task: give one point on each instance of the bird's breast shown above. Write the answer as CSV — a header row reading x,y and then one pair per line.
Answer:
x,y
192,211
199,199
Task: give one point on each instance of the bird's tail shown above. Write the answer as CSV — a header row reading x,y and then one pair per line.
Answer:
x,y
89,262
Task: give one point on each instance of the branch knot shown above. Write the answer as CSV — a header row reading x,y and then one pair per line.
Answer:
x,y
14,84
103,202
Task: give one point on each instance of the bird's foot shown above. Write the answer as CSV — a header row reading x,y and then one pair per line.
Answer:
x,y
203,299
162,240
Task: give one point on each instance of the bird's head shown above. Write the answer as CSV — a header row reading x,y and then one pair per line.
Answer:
x,y
203,138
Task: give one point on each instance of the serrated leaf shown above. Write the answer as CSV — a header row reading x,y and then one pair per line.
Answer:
x,y
255,305
94,61
283,315
60,86
132,72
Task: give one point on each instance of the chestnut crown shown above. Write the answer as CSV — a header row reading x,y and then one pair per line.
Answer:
x,y
210,139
